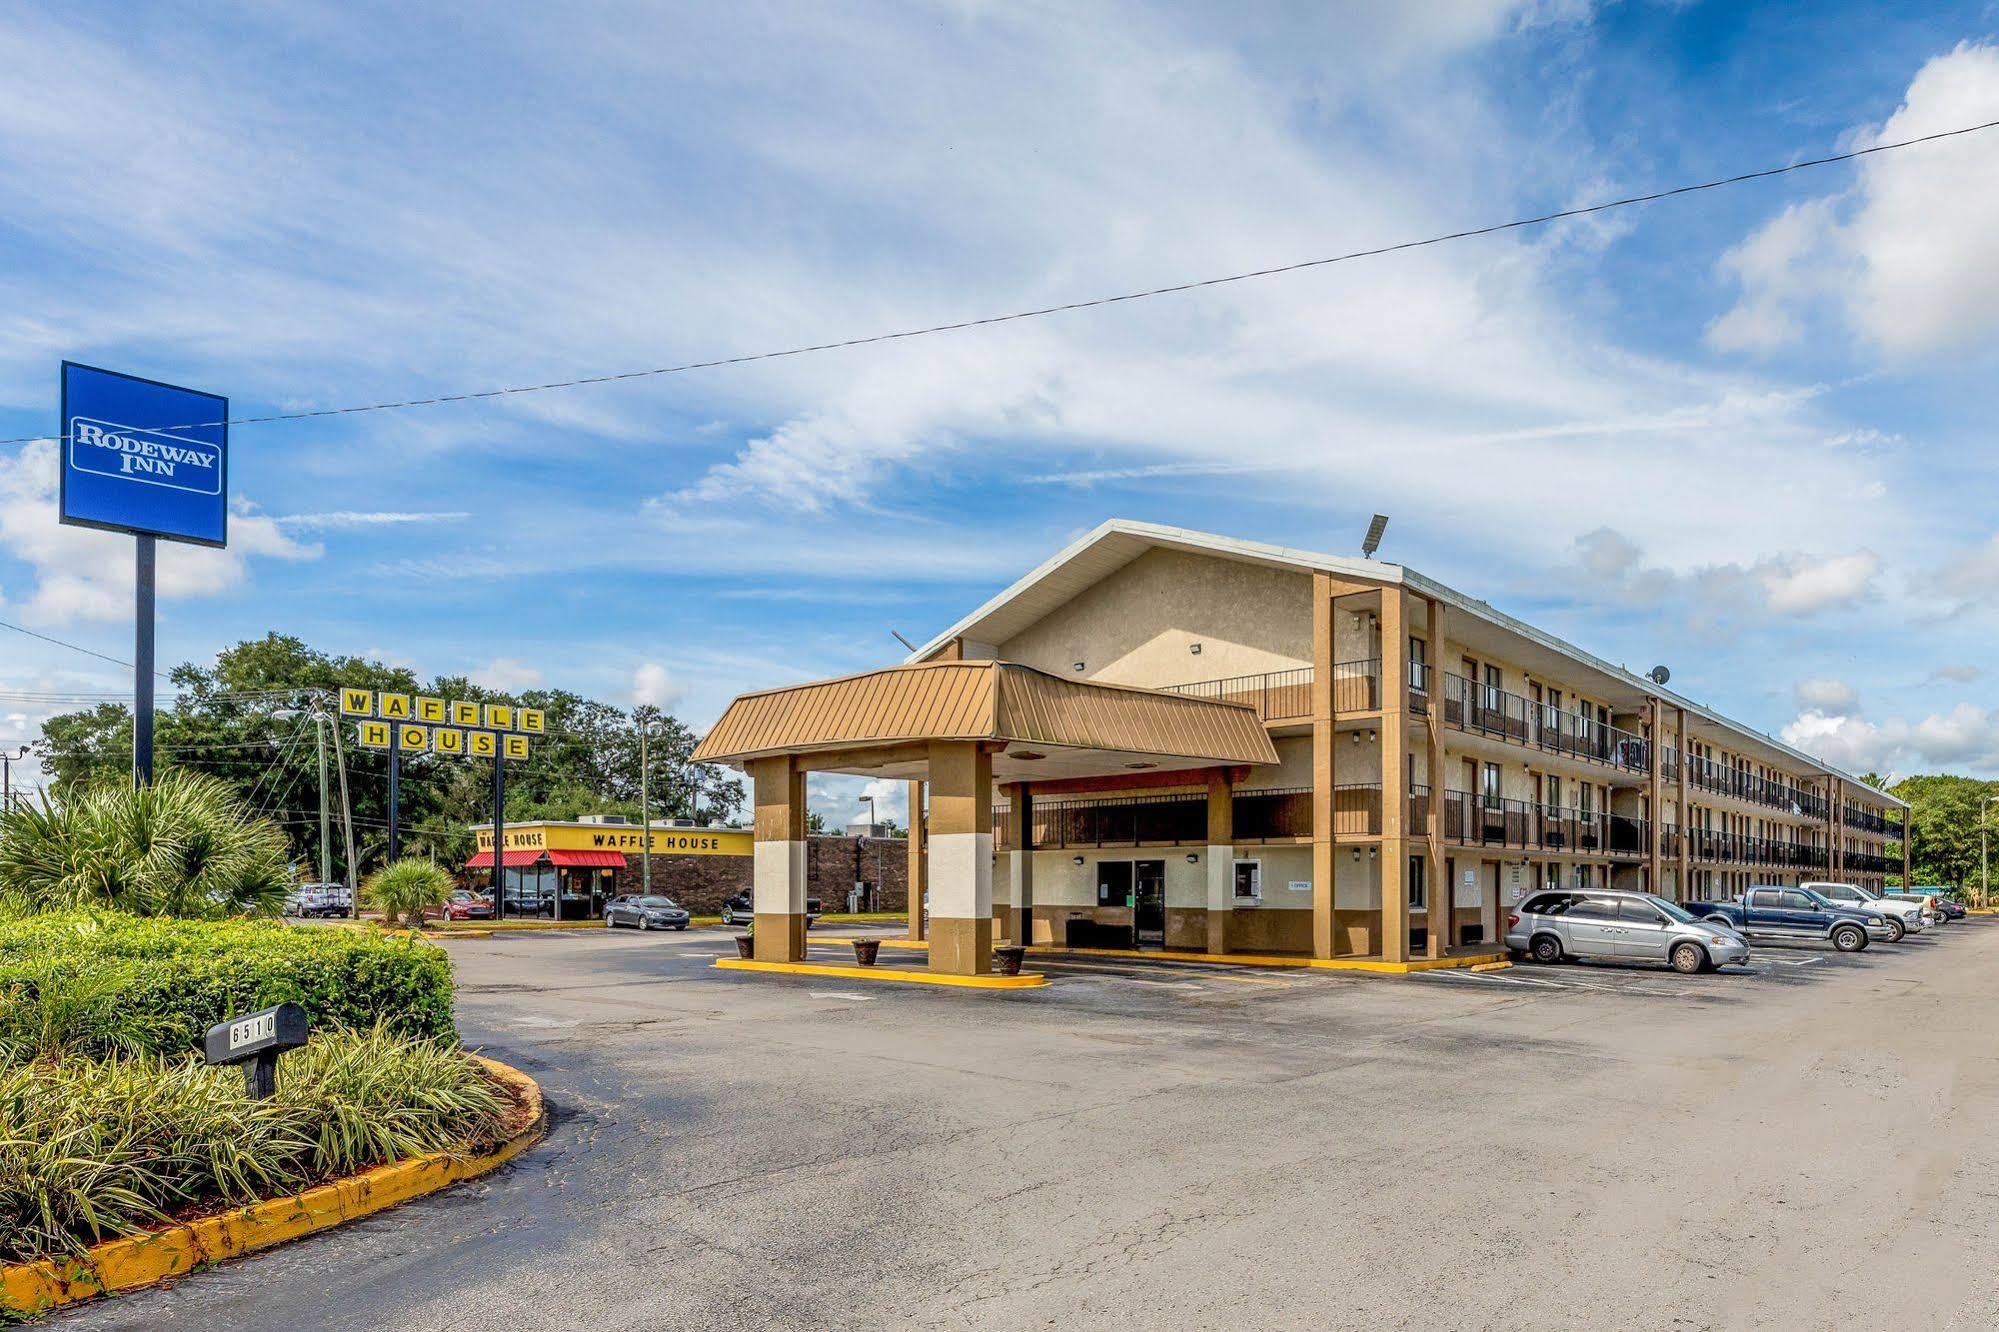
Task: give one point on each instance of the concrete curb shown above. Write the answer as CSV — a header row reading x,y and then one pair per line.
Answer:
x,y
1368,966
158,1255
1026,980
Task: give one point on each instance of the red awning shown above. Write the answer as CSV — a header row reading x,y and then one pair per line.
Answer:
x,y
584,859
515,859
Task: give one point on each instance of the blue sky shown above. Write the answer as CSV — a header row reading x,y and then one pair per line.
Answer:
x,y
1744,433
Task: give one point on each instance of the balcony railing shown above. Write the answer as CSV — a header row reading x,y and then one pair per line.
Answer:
x,y
1707,775
1471,819
1871,821
1487,710
1867,862
1276,695
1706,846
1273,815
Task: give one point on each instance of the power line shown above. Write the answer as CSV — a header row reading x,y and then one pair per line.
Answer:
x,y
1043,311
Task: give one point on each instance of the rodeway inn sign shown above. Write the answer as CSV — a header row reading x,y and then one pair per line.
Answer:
x,y
144,457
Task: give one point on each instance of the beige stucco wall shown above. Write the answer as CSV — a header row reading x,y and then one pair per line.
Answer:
x,y
1139,625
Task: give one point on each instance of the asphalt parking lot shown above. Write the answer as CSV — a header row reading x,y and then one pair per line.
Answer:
x,y
1795,1144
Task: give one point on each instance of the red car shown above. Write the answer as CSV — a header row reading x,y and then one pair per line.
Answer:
x,y
461,905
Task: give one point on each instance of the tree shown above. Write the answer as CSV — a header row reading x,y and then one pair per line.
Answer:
x,y
405,888
244,721
1944,818
183,846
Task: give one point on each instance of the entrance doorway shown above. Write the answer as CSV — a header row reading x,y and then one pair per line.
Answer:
x,y
1141,886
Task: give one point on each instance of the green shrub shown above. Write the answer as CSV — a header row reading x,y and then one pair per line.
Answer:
x,y
91,1149
100,983
405,888
182,846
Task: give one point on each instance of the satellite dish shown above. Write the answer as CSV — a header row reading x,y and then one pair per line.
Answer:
x,y
1659,675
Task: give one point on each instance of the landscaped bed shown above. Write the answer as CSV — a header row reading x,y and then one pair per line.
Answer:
x,y
110,1124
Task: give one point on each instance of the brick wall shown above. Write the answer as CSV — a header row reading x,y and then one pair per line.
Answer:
x,y
832,865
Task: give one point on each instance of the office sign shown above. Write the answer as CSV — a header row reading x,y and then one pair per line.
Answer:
x,y
143,457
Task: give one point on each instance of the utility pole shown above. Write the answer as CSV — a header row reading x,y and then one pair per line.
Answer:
x,y
346,819
325,828
500,835
7,762
395,784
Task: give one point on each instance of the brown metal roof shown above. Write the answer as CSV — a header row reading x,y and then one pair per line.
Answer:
x,y
984,700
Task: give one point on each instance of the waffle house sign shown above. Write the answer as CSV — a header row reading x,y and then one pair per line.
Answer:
x,y
453,728
618,837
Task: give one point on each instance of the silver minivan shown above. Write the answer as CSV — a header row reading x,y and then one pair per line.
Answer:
x,y
1606,924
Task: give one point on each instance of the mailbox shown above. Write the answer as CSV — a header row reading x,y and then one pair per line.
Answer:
x,y
255,1040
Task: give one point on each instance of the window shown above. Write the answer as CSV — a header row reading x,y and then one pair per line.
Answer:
x,y
1419,664
1489,786
1493,682
1547,904
1248,880
1417,895
1593,908
1583,875
1639,913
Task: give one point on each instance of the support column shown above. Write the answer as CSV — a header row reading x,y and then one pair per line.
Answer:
x,y
1394,945
1325,941
917,883
1020,833
961,858
1835,841
1655,740
1907,882
1433,828
778,859
1221,858
1684,814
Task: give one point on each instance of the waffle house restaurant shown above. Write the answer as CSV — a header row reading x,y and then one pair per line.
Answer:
x,y
569,870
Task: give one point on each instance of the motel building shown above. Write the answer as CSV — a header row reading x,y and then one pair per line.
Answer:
x,y
1167,739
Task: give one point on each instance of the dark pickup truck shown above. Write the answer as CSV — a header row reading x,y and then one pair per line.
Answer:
x,y
1794,915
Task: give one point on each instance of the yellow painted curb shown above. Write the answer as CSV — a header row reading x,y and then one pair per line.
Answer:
x,y
1026,980
157,1255
1493,966
1361,964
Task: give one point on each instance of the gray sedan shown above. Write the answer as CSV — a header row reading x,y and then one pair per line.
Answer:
x,y
1553,926
646,913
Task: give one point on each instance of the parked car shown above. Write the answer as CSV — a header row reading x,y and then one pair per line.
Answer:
x,y
319,899
1904,917
1929,904
1552,926
1772,914
1951,908
741,910
464,904
645,913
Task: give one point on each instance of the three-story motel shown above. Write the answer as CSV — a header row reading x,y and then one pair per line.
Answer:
x,y
1170,739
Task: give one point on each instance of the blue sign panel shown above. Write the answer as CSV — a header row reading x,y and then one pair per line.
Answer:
x,y
143,457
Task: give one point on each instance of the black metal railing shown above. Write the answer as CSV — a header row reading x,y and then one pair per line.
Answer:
x,y
1274,814
1488,710
1471,819
1721,779
1707,846
1870,821
1867,862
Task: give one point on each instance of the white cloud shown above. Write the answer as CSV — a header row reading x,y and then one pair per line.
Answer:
x,y
352,518
1958,673
506,675
1801,585
1965,739
1973,574
85,575
654,686
1909,256
1827,696
1790,584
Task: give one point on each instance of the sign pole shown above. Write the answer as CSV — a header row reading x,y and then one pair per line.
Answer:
x,y
142,666
395,790
500,834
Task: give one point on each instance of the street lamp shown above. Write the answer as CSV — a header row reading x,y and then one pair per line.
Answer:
x,y
1984,853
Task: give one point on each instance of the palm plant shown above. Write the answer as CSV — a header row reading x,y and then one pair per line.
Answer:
x,y
184,845
405,888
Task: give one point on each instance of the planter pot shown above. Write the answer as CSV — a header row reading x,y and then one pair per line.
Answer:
x,y
1007,961
745,946
865,950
